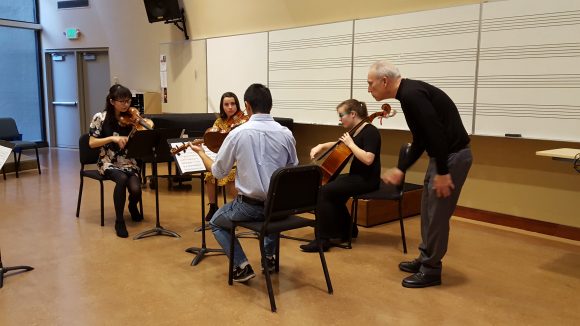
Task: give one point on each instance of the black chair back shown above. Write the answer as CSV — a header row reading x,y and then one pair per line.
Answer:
x,y
87,155
293,190
8,129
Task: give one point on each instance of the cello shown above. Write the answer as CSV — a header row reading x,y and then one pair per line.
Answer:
x,y
336,157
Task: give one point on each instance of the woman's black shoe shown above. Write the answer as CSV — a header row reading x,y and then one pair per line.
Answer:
x,y
135,214
312,246
121,229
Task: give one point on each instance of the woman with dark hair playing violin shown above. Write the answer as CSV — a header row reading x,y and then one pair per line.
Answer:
x,y
109,130
333,218
230,116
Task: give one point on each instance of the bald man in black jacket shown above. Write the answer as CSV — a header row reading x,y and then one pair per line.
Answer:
x,y
437,128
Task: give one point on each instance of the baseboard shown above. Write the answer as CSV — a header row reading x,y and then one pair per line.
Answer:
x,y
553,229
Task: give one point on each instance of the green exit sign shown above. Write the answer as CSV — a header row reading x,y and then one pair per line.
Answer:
x,y
72,33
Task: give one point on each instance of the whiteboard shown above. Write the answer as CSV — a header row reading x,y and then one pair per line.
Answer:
x,y
310,71
436,46
529,69
233,64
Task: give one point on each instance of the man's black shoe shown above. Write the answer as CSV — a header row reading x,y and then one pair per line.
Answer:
x,y
121,229
420,280
410,266
271,263
243,274
312,246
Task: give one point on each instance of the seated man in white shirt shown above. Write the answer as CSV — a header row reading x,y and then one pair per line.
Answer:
x,y
258,147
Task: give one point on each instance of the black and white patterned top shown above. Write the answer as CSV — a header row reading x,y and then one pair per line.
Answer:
x,y
111,156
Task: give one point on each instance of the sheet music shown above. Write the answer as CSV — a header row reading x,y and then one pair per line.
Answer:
x,y
4,153
189,161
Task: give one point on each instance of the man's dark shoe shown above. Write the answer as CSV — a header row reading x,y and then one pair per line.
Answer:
x,y
312,246
121,229
243,274
420,280
135,214
410,266
212,209
271,263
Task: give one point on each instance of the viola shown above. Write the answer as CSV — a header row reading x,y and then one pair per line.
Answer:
x,y
185,146
336,157
212,140
214,137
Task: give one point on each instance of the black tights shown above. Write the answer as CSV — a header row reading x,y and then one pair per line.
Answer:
x,y
332,216
124,180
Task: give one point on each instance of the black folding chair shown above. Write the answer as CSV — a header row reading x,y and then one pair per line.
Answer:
x,y
385,192
293,190
88,155
9,132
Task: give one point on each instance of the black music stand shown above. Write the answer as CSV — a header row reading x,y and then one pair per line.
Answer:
x,y
5,270
199,252
145,146
207,227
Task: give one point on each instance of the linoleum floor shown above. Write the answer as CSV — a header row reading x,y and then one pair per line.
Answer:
x,y
85,275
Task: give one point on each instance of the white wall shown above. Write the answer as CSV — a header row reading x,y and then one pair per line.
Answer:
x,y
119,25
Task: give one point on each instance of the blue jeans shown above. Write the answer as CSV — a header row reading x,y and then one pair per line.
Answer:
x,y
237,210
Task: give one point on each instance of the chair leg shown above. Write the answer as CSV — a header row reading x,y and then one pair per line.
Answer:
x,y
267,273
224,194
325,268
4,173
102,204
141,205
354,213
37,160
143,173
278,254
231,258
80,196
402,226
16,162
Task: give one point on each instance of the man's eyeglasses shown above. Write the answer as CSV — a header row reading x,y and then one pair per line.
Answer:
x,y
342,114
127,101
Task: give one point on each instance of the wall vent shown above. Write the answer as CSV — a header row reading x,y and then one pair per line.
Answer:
x,y
69,4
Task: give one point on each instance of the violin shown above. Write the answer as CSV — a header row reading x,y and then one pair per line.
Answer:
x,y
131,117
214,137
237,119
336,157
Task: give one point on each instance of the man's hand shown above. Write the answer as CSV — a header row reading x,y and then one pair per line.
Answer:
x,y
443,185
393,176
196,148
